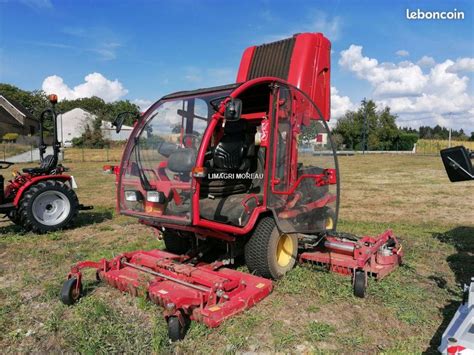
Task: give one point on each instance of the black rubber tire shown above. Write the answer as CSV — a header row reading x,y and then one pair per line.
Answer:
x,y
68,292
25,212
14,216
360,284
176,244
261,250
177,331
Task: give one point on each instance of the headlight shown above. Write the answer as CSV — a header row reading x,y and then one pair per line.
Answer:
x,y
133,196
155,196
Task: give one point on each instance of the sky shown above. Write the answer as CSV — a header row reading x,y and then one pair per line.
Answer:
x,y
141,50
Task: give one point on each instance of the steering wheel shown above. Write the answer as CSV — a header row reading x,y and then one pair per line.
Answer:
x,y
5,164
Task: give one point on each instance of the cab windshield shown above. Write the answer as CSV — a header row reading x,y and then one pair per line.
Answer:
x,y
160,158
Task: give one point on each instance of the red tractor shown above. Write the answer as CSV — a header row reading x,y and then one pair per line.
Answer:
x,y
41,199
245,170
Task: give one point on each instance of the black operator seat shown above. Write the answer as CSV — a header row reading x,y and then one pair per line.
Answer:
x,y
49,163
230,154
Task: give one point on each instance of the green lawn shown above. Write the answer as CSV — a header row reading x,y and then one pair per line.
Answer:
x,y
309,309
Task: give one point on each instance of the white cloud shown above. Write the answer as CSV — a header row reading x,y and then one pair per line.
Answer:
x,y
402,53
440,96
462,65
316,21
38,4
209,77
388,79
426,62
144,104
95,84
339,104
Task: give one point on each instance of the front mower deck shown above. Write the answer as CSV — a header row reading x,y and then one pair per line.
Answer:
x,y
207,293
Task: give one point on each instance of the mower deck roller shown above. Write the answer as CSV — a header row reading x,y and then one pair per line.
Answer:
x,y
207,293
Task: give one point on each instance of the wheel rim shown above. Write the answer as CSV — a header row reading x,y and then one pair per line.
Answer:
x,y
284,250
329,223
51,208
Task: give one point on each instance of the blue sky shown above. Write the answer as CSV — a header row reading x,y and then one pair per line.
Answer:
x,y
142,50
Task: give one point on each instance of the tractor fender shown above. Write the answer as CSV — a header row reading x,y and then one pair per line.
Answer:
x,y
34,181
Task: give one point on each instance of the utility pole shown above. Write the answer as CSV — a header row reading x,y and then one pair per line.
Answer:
x,y
450,129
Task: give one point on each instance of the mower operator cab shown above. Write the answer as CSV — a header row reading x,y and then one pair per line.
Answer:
x,y
221,156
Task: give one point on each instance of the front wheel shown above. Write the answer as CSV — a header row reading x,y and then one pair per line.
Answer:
x,y
268,252
48,206
70,293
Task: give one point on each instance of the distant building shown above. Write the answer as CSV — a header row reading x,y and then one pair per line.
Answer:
x,y
15,118
108,132
73,123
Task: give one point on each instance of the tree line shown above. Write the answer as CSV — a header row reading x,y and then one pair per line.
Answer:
x,y
373,128
36,101
367,127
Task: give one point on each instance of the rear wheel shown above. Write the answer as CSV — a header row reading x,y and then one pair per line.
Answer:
x,y
330,219
176,244
48,206
268,252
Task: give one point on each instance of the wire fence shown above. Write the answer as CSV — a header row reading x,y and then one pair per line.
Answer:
x,y
27,153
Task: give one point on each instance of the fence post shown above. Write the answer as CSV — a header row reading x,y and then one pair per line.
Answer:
x,y
83,154
4,152
31,153
107,153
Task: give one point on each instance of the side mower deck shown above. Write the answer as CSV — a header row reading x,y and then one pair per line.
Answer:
x,y
357,257
211,293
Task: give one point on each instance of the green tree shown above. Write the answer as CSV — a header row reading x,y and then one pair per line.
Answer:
x,y
381,130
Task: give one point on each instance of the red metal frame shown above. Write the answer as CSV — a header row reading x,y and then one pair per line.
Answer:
x,y
346,256
207,293
22,182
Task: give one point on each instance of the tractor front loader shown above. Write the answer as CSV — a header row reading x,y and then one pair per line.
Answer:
x,y
245,171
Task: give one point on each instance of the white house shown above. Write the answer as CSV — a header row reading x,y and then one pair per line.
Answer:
x,y
108,131
73,123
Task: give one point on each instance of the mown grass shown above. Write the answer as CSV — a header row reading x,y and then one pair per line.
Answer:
x,y
310,310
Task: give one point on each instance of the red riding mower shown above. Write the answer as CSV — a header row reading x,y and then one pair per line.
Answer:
x,y
41,199
246,169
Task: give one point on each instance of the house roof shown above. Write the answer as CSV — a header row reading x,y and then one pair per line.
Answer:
x,y
19,107
6,117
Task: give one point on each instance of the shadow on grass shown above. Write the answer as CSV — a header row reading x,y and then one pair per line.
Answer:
x,y
84,219
8,227
462,264
92,217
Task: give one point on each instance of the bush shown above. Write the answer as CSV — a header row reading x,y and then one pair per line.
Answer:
x,y
405,141
10,137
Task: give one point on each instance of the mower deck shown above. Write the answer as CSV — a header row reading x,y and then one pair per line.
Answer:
x,y
359,258
207,293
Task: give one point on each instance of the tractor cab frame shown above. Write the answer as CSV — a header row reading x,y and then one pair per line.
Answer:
x,y
221,175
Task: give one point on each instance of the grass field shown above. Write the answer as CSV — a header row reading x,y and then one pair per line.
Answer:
x,y
433,146
10,149
309,310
